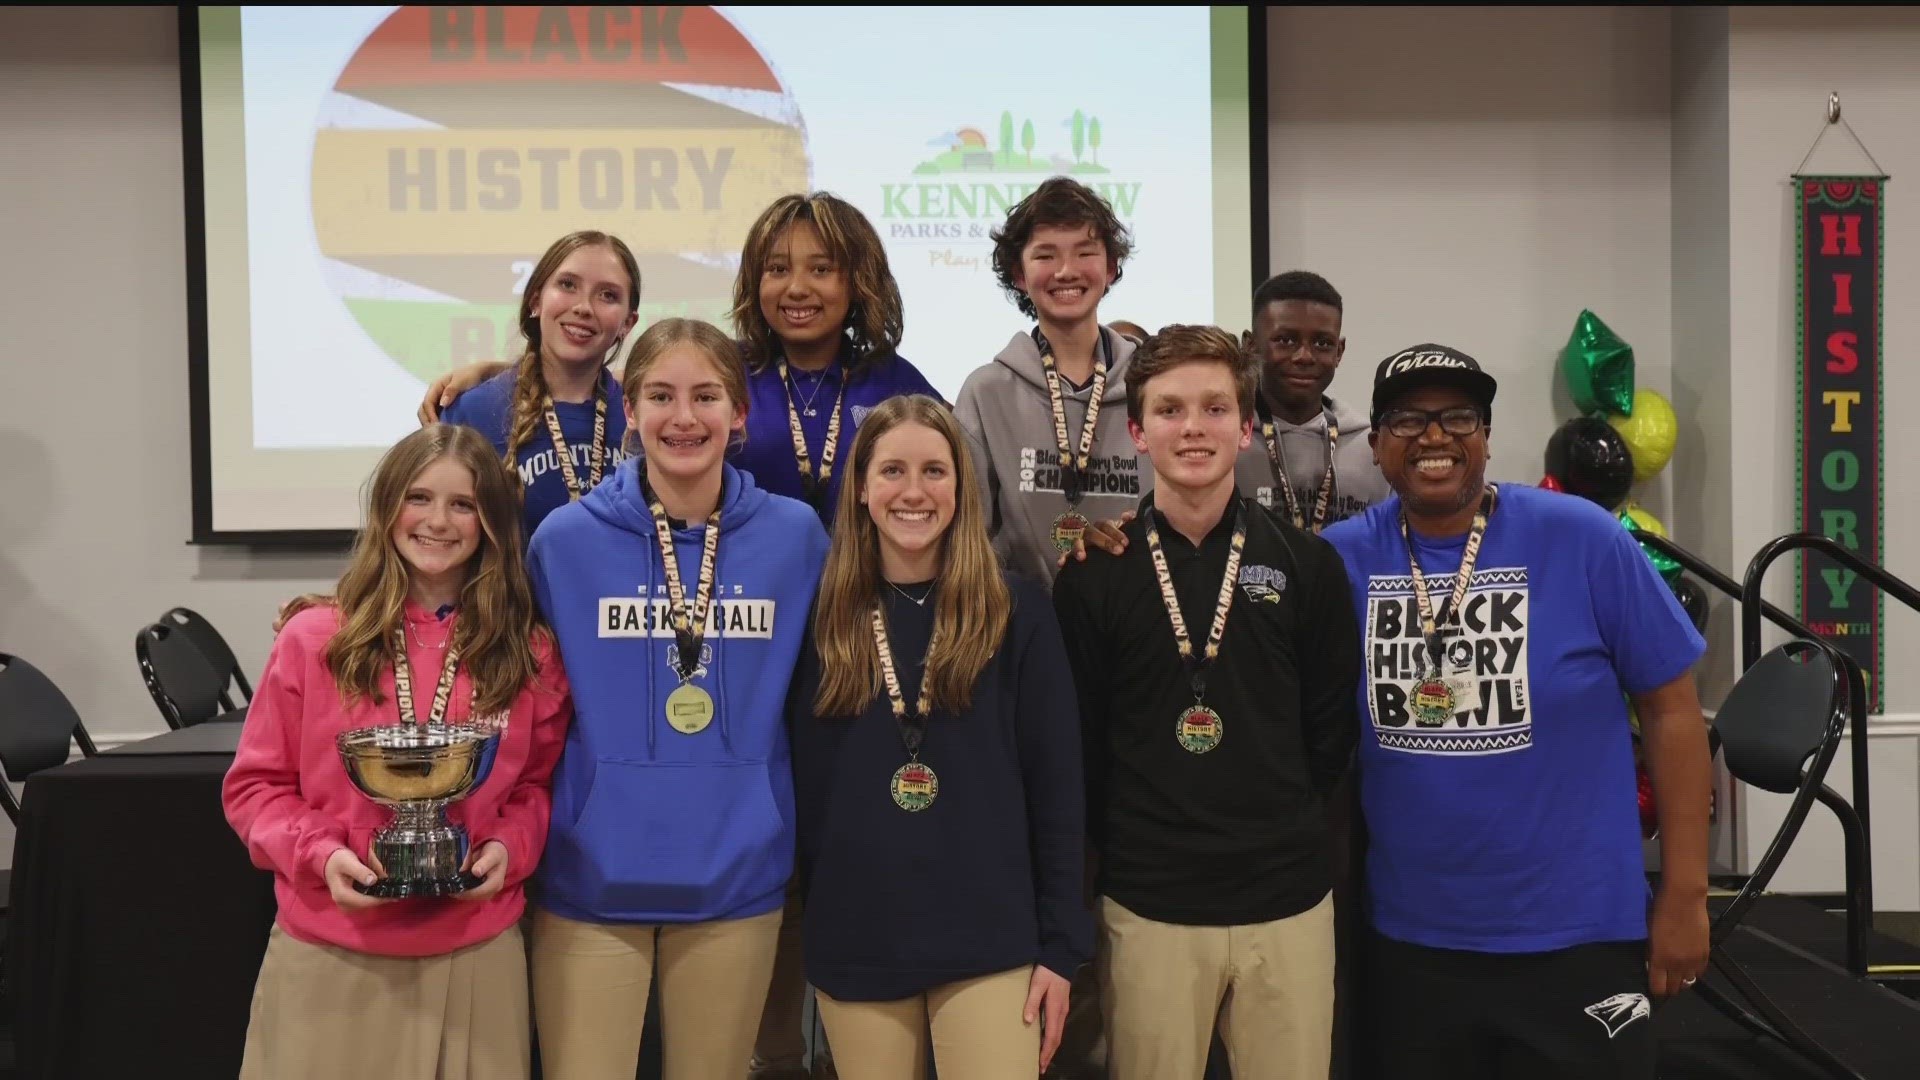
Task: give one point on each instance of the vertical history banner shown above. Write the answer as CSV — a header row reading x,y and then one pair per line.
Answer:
x,y
1840,258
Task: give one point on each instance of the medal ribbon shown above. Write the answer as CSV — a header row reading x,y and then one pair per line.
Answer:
x,y
403,680
596,456
1197,665
1430,623
913,725
1277,457
689,621
1073,465
807,481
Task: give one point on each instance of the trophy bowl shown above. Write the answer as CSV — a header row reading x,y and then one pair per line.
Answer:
x,y
417,771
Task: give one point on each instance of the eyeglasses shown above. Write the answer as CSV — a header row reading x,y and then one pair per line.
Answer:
x,y
1413,423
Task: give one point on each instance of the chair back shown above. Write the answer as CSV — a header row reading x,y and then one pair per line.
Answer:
x,y
1781,713
203,634
185,685
38,725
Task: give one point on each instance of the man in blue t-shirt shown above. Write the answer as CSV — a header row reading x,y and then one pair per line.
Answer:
x,y
1512,932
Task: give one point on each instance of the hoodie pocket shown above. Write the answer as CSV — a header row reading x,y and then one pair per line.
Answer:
x,y
687,841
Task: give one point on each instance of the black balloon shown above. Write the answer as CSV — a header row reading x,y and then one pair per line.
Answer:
x,y
1591,460
1693,599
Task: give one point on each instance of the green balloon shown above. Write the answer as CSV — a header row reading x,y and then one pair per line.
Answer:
x,y
1668,567
1598,367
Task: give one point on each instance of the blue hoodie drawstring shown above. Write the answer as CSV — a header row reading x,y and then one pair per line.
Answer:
x,y
648,659
719,676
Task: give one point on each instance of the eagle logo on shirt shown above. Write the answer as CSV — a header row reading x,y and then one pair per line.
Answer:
x,y
1616,1012
1262,584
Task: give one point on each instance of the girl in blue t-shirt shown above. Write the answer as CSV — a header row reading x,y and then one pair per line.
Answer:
x,y
555,414
819,317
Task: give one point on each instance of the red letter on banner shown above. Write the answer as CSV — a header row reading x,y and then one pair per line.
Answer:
x,y
1840,346
1834,227
1843,294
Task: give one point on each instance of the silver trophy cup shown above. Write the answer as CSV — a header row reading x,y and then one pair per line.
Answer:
x,y
417,771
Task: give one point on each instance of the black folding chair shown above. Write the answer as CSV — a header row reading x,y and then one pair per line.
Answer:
x,y
218,652
38,727
184,684
1778,731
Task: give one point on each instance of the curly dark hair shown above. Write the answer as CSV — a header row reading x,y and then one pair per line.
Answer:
x,y
1060,201
875,319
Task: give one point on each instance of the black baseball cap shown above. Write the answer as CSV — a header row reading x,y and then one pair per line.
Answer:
x,y
1431,365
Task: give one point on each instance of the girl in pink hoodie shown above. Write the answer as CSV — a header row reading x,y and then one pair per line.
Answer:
x,y
418,988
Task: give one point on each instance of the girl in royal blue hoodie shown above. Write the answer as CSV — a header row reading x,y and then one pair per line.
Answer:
x,y
672,838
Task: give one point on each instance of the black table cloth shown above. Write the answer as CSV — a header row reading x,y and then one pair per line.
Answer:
x,y
137,924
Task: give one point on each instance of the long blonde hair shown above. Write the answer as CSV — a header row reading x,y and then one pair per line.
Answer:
x,y
654,342
972,605
875,316
498,619
529,378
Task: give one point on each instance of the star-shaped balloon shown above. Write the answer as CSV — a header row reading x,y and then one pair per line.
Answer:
x,y
1599,367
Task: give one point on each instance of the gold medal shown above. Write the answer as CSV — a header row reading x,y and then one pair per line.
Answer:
x,y
1434,699
1199,729
1432,703
689,709
1067,529
914,787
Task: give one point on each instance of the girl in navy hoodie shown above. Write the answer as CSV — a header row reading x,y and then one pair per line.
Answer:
x,y
937,775
679,593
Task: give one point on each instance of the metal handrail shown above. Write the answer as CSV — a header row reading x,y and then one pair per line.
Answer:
x,y
1706,572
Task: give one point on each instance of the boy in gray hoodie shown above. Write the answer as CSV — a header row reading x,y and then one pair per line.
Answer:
x,y
1047,419
1319,444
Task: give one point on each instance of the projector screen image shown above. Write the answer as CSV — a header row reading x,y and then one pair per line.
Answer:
x,y
377,183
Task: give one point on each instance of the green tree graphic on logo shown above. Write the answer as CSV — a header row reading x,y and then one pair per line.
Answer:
x,y
976,150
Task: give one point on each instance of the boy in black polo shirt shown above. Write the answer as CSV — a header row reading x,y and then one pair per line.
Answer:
x,y
1216,661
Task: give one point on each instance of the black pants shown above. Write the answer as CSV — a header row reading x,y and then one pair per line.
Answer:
x,y
1576,1014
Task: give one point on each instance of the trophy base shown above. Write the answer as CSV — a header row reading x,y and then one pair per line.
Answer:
x,y
395,889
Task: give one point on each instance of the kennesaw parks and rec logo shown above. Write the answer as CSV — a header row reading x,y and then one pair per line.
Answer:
x,y
457,143
966,188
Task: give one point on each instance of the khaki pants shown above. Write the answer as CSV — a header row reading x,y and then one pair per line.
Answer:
x,y
978,1030
782,1043
324,1012
590,983
1271,985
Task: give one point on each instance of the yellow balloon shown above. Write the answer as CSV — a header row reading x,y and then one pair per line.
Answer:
x,y
1650,432
1643,519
